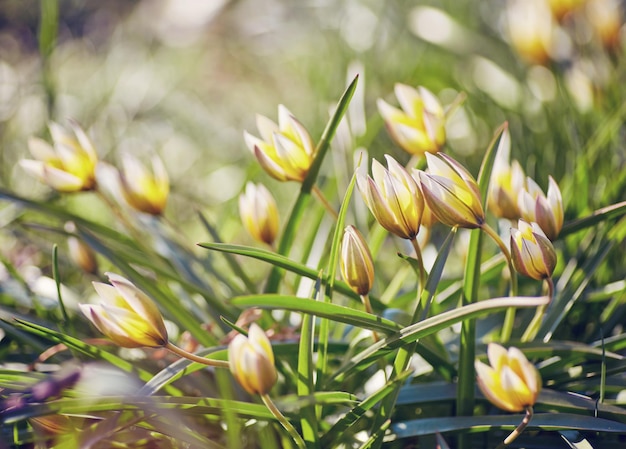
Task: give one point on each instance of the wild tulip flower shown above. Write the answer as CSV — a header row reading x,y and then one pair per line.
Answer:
x,y
285,150
451,192
507,180
69,165
126,315
419,126
357,266
510,381
144,190
547,212
259,213
393,197
532,252
532,29
251,361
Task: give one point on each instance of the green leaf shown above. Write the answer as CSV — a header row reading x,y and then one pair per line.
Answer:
x,y
600,215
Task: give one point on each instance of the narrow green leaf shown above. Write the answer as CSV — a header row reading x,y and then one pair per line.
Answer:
x,y
600,215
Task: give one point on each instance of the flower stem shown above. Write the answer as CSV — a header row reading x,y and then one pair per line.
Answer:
x,y
519,429
194,358
533,327
368,308
320,196
285,423
420,265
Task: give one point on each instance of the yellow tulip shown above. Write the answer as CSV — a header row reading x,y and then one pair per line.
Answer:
x,y
451,192
285,151
419,126
393,197
532,29
251,361
547,212
143,190
259,213
69,165
357,266
532,252
510,382
126,315
507,180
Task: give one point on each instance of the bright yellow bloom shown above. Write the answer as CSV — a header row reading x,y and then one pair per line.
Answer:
x,y
357,266
531,29
393,197
419,126
285,151
69,166
511,383
532,252
143,190
259,213
251,361
451,192
547,212
507,180
127,315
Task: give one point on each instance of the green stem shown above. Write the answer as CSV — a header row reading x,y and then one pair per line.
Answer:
x,y
320,196
194,358
519,429
368,308
421,269
533,327
285,423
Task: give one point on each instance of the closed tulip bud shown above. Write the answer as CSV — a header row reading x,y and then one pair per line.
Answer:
x,y
69,165
419,126
126,315
510,382
251,361
532,252
451,192
393,197
547,212
285,151
144,190
259,213
357,266
506,183
80,253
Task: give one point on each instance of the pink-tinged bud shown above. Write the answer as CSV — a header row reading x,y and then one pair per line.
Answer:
x,y
419,126
451,192
69,165
393,197
285,151
510,382
251,361
547,212
126,315
357,266
532,252
259,213
144,190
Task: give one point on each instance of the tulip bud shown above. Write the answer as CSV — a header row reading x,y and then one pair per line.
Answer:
x,y
511,383
251,361
419,126
357,266
547,212
127,315
143,190
532,252
285,151
451,192
393,197
259,213
69,166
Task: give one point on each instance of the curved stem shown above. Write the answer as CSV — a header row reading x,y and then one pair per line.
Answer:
x,y
285,423
519,429
320,196
420,265
368,308
195,358
533,327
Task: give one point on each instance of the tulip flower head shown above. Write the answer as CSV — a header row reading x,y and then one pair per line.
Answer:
x,y
419,126
259,213
507,180
285,151
144,190
547,212
532,252
451,192
251,361
532,29
357,266
393,197
510,381
126,315
69,165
